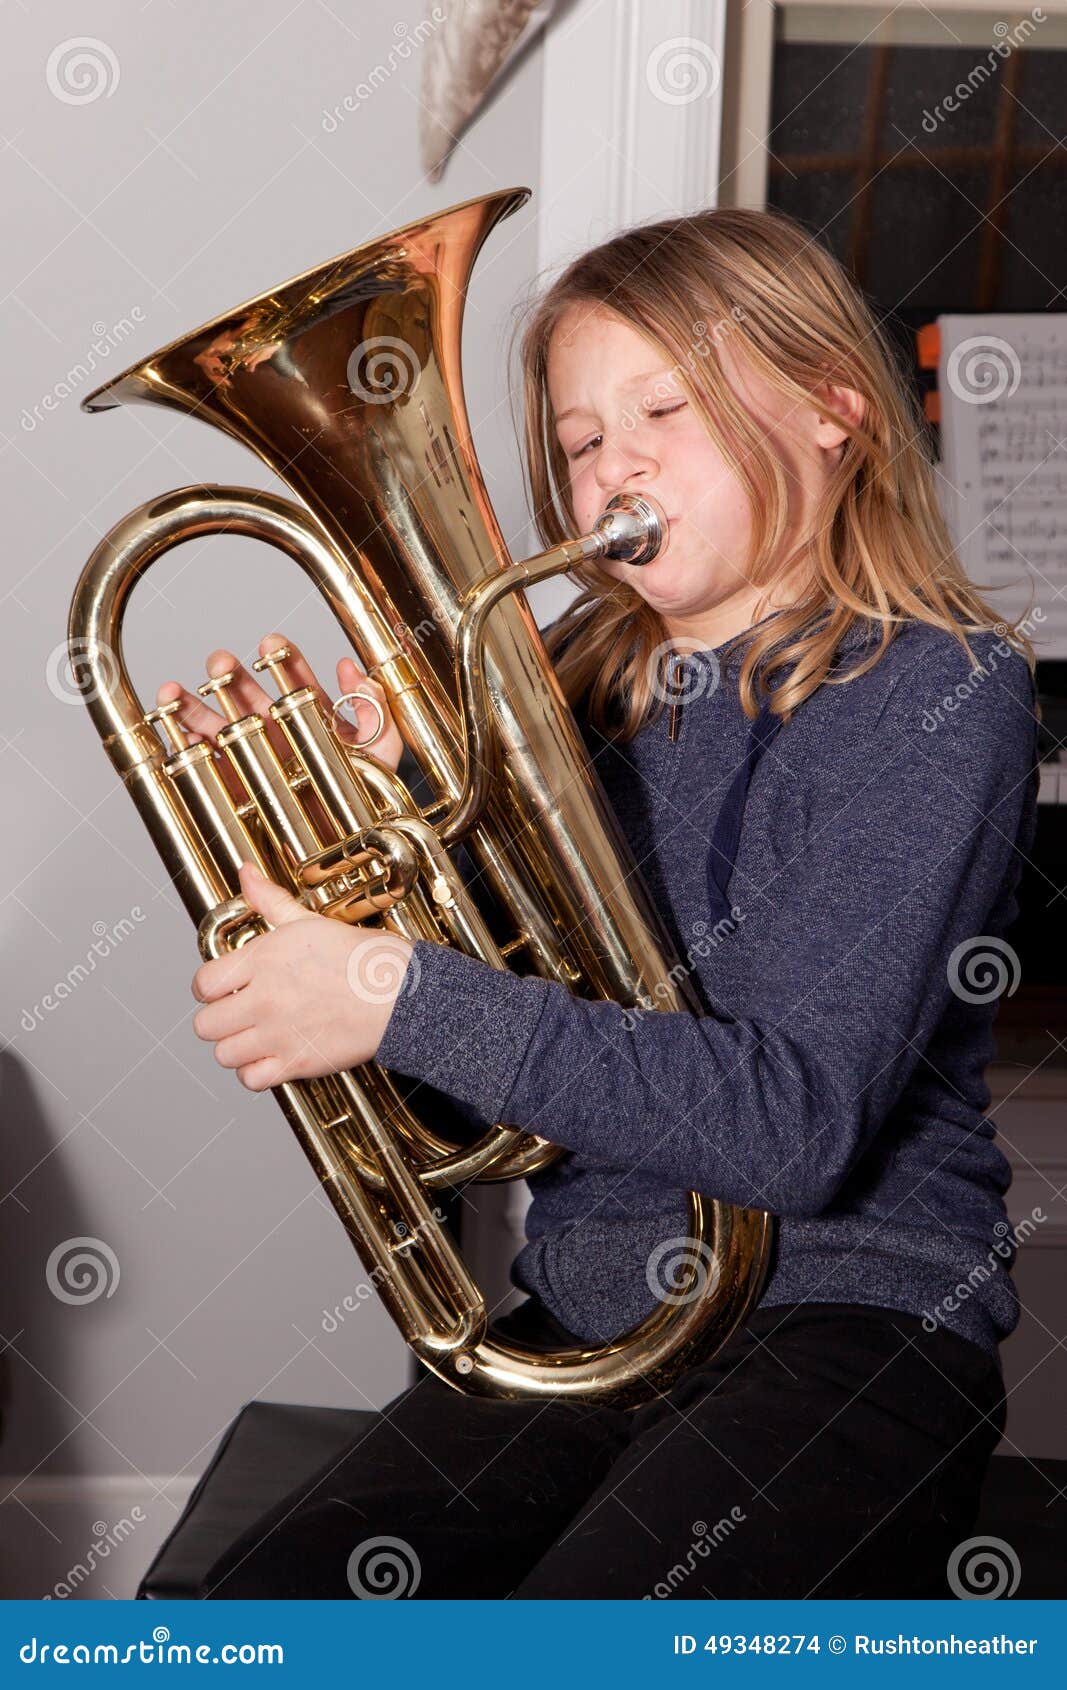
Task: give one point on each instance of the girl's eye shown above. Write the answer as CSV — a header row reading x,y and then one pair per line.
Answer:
x,y
583,449
660,411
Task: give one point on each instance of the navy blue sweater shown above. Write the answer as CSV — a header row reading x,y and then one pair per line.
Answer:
x,y
869,857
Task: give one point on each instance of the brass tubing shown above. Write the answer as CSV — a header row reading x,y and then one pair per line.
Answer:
x,y
246,744
195,775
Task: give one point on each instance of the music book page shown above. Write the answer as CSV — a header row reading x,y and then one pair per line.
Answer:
x,y
1003,477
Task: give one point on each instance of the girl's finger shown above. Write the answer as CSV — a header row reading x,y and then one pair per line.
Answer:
x,y
350,677
200,726
196,718
244,689
301,674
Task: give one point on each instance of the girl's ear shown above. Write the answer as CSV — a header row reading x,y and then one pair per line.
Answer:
x,y
847,402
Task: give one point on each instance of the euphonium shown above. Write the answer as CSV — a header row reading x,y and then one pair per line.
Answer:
x,y
346,382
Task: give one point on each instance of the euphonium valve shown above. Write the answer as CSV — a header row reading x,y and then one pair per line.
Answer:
x,y
397,533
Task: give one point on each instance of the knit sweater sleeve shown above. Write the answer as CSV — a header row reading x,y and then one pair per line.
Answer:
x,y
908,839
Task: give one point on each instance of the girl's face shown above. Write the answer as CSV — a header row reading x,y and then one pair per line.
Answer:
x,y
625,425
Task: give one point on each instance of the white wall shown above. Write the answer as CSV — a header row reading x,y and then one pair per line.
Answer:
x,y
203,176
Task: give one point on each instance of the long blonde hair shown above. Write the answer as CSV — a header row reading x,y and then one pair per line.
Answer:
x,y
879,546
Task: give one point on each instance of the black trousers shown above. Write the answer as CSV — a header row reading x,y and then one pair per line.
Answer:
x,y
828,1450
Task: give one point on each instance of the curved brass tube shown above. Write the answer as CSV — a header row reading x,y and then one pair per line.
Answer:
x,y
400,539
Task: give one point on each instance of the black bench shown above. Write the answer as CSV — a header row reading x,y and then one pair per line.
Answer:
x,y
271,1446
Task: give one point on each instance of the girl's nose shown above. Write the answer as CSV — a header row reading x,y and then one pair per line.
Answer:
x,y
619,462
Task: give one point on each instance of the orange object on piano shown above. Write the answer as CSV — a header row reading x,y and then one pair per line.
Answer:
x,y
928,340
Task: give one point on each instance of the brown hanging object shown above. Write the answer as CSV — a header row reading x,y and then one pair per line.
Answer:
x,y
463,59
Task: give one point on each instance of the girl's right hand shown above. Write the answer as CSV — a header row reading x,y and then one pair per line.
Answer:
x,y
202,723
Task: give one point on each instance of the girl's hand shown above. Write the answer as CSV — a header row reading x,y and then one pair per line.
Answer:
x,y
307,998
201,722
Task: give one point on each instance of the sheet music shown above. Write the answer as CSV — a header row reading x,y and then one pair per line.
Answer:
x,y
1003,479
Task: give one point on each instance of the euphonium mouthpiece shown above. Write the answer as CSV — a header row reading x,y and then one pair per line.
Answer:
x,y
633,528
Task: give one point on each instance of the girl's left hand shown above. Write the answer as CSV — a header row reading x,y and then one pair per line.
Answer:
x,y
309,997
